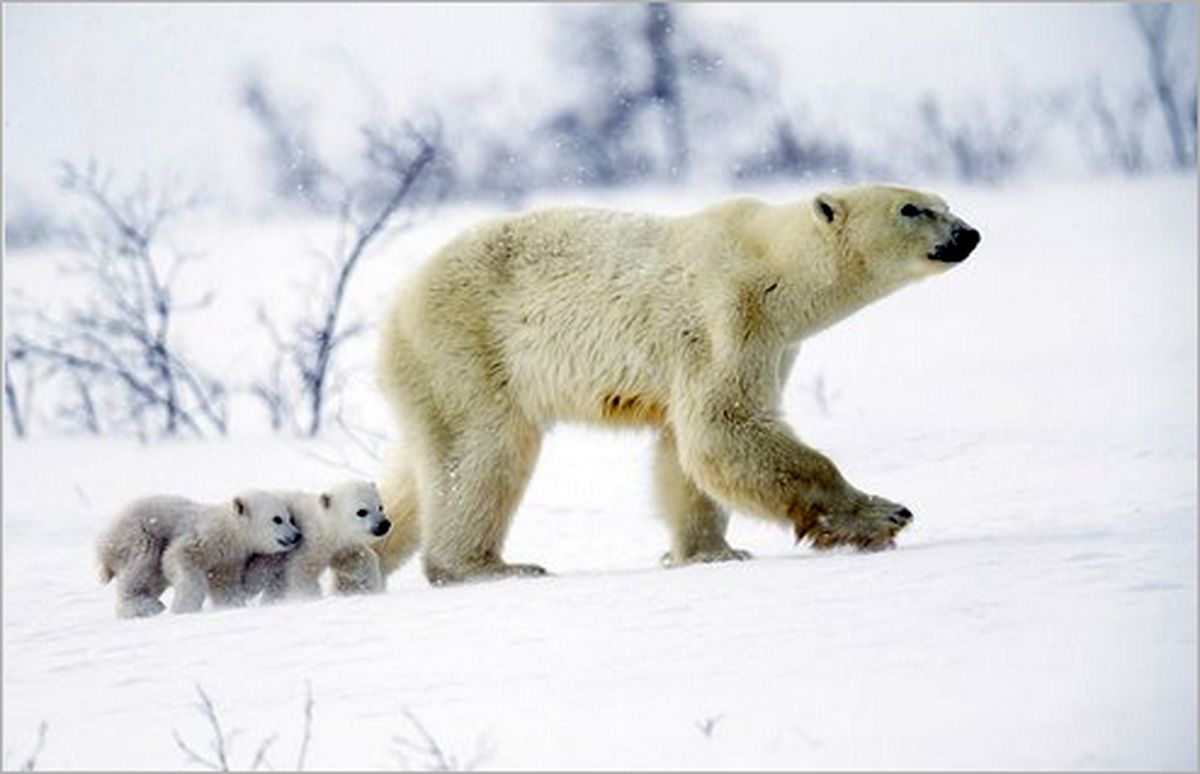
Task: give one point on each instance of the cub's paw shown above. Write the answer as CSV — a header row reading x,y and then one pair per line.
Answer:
x,y
140,607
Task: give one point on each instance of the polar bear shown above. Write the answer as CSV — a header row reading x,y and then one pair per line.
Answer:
x,y
339,526
686,324
199,549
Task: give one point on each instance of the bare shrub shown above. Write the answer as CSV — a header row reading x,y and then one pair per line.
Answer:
x,y
115,348
301,377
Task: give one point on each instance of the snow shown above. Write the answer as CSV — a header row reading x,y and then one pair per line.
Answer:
x,y
1035,407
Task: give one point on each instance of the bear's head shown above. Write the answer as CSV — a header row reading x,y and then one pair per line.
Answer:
x,y
894,235
354,512
266,523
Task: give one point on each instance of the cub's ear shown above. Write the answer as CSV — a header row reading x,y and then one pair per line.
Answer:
x,y
326,500
827,209
239,506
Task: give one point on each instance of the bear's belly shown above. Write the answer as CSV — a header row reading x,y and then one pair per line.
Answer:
x,y
561,381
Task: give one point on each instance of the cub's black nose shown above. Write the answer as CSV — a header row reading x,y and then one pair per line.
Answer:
x,y
382,527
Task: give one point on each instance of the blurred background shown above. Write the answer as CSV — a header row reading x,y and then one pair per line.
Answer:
x,y
270,107
138,138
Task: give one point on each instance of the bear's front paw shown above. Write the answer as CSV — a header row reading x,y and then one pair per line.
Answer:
x,y
871,524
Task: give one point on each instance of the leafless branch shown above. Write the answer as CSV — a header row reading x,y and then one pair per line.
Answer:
x,y
403,160
308,717
260,757
30,762
1153,24
707,726
218,742
116,346
430,755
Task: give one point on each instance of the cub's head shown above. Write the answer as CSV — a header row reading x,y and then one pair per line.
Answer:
x,y
268,525
894,234
354,511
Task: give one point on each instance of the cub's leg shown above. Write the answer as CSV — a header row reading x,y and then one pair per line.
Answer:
x,y
140,583
356,571
697,523
266,573
225,586
473,481
303,577
189,580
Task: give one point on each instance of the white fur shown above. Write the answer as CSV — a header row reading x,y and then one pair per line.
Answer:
x,y
199,549
336,536
688,324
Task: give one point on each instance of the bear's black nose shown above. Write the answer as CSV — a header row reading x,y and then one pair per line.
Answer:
x,y
382,527
960,244
968,238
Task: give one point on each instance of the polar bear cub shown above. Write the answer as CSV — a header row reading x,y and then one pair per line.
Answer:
x,y
339,526
199,549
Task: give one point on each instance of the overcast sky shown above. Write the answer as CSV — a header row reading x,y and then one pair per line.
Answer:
x,y
152,87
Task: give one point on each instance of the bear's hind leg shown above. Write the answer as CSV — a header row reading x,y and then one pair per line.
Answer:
x,y
474,488
697,523
398,491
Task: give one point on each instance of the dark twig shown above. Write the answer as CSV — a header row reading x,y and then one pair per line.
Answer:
x,y
219,742
30,762
308,717
431,755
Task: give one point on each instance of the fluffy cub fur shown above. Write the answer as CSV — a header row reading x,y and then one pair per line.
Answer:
x,y
339,527
198,549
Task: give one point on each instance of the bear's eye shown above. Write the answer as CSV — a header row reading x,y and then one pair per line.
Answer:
x,y
292,519
362,513
278,519
910,210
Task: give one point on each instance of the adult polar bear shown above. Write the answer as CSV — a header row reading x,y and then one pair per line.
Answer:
x,y
688,324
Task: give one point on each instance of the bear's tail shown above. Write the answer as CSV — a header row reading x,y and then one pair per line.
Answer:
x,y
401,506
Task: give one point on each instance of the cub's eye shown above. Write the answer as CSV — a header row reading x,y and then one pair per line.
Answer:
x,y
278,519
292,519
362,513
910,210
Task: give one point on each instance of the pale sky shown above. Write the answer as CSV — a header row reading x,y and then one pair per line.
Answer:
x,y
152,87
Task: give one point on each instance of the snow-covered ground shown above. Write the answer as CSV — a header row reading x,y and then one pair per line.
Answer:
x,y
1036,408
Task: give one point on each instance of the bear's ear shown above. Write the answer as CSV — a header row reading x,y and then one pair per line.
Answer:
x,y
326,500
827,209
239,506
